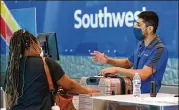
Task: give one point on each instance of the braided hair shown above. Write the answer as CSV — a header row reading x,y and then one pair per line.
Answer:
x,y
19,43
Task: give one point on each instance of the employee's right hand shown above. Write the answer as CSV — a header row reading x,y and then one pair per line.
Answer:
x,y
99,57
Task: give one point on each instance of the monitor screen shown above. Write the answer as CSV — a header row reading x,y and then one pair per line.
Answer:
x,y
48,42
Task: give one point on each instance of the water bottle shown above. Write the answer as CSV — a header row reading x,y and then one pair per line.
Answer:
x,y
136,85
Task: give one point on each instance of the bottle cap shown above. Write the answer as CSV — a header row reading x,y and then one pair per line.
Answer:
x,y
136,73
55,107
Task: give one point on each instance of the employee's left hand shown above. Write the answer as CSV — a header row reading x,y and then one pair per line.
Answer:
x,y
112,70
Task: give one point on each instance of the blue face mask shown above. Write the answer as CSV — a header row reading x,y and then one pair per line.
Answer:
x,y
138,34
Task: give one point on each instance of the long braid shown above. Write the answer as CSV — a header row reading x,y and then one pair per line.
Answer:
x,y
19,42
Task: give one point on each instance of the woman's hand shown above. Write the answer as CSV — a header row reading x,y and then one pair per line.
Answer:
x,y
93,91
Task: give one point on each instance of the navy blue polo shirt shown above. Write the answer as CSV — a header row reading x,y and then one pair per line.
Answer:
x,y
155,55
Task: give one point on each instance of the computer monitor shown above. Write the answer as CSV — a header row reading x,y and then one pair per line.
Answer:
x,y
48,42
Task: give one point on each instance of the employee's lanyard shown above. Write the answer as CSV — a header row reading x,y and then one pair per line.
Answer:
x,y
139,56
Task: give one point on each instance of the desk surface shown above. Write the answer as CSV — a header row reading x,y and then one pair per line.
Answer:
x,y
145,99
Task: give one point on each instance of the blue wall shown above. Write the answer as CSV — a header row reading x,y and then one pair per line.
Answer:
x,y
59,17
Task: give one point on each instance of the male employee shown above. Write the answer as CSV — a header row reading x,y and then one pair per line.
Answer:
x,y
149,58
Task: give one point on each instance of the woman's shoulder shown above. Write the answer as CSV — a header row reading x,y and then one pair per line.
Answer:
x,y
32,60
50,60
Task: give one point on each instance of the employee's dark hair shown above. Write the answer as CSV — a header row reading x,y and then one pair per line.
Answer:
x,y
150,18
20,41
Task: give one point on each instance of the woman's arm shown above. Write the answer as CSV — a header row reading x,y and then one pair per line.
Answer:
x,y
74,87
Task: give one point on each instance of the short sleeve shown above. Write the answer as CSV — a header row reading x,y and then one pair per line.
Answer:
x,y
158,58
131,58
55,69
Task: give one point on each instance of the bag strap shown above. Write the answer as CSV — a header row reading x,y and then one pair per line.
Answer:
x,y
49,78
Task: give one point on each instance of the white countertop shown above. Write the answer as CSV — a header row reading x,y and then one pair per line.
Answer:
x,y
145,99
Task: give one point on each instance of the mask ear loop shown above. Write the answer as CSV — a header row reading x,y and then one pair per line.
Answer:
x,y
145,32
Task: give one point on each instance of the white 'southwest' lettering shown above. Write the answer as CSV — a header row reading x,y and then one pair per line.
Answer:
x,y
105,19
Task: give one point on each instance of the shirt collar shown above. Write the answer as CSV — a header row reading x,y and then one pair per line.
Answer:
x,y
152,43
155,41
